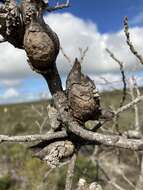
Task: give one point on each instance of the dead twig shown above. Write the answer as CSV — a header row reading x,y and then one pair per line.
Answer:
x,y
96,162
41,126
66,56
33,138
122,173
90,137
129,105
58,6
129,43
107,178
107,82
52,169
136,110
83,54
116,118
121,65
70,173
139,184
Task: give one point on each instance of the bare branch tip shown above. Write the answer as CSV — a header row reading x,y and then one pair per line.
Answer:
x,y
129,42
59,6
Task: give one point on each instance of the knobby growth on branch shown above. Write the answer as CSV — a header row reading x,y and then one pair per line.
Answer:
x,y
23,26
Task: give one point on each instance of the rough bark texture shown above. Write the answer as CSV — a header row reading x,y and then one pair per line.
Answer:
x,y
40,42
23,26
139,185
56,152
83,185
70,173
83,99
12,28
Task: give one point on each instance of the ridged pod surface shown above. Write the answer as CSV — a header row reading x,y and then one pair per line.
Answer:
x,y
82,95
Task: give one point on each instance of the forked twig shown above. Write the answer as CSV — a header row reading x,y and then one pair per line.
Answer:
x,y
83,54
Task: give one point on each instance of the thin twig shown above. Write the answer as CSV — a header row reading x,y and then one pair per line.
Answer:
x,y
136,86
41,126
107,82
70,173
132,88
115,185
83,54
129,43
108,179
116,118
129,105
95,161
121,65
38,112
58,6
65,55
139,184
33,138
46,175
52,169
122,173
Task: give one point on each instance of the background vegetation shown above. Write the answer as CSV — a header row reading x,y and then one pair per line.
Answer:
x,y
19,170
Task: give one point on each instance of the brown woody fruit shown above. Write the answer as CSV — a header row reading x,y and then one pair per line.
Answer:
x,y
54,153
40,42
82,95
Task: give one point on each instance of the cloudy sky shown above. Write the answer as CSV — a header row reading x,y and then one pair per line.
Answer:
x,y
96,24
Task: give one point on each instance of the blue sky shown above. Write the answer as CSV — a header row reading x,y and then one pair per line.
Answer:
x,y
97,24
107,14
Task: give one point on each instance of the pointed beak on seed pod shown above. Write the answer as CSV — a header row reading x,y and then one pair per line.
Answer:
x,y
83,98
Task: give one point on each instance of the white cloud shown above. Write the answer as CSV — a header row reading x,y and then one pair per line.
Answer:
x,y
75,33
10,93
12,62
138,19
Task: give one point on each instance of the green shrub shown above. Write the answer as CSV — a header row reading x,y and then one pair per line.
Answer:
x,y
6,182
